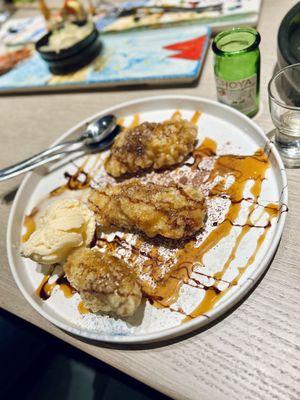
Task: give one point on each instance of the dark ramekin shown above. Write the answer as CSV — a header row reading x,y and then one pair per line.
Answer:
x,y
73,58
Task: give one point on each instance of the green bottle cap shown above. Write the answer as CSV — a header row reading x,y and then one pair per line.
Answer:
x,y
237,40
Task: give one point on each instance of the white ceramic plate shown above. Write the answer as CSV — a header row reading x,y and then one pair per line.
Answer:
x,y
234,133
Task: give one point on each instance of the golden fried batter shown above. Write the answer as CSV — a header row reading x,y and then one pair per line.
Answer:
x,y
172,211
151,145
104,282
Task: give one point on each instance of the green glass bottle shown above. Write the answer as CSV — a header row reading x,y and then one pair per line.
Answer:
x,y
237,68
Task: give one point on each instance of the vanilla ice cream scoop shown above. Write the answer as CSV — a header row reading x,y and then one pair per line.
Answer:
x,y
63,226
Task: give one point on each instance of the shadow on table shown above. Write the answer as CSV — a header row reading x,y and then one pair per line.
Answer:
x,y
9,196
38,366
125,88
167,342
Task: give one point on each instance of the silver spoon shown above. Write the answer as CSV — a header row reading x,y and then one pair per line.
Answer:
x,y
98,136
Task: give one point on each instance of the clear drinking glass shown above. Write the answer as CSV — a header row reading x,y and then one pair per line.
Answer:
x,y
284,102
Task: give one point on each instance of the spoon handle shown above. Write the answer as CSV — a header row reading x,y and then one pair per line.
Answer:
x,y
15,170
93,140
51,154
48,156
48,152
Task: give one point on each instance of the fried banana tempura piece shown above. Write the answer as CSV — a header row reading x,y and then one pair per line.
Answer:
x,y
172,211
151,145
104,282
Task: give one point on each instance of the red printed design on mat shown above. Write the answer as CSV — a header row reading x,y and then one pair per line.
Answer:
x,y
189,50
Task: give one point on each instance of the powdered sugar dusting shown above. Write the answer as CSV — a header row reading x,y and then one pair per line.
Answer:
x,y
152,260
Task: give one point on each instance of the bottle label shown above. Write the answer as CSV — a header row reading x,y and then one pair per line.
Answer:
x,y
239,94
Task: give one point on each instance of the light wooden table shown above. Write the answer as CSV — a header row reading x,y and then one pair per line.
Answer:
x,y
252,353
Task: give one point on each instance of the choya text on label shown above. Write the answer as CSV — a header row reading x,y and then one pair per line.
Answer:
x,y
240,94
237,85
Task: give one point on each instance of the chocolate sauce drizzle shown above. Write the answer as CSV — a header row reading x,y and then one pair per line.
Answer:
x,y
78,181
243,169
181,268
45,289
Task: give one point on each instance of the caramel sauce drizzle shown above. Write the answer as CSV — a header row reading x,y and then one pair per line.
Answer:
x,y
135,122
243,169
273,211
120,121
78,181
176,114
195,117
82,308
212,296
207,148
29,224
45,289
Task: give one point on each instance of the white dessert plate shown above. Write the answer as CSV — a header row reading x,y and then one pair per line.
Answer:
x,y
234,134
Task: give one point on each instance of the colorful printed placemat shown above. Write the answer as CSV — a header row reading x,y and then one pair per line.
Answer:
x,y
160,56
218,14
